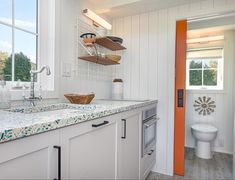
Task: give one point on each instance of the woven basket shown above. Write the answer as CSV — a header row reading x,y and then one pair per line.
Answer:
x,y
115,58
80,99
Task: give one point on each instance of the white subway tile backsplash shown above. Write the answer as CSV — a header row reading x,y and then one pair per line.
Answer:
x,y
87,70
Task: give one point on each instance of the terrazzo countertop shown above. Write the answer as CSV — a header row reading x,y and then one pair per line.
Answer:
x,y
22,122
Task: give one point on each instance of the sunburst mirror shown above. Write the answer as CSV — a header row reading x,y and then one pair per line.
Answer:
x,y
204,105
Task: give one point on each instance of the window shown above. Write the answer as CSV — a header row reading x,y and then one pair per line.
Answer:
x,y
18,38
205,69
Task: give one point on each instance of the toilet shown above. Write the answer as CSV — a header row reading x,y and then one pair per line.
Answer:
x,y
204,134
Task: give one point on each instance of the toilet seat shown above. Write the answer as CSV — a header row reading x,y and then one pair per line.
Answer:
x,y
205,128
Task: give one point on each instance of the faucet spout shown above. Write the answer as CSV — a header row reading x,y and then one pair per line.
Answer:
x,y
48,71
33,73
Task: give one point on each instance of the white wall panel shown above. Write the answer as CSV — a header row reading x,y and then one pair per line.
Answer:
x,y
153,55
135,57
126,60
119,28
220,3
195,6
172,12
144,55
162,77
207,5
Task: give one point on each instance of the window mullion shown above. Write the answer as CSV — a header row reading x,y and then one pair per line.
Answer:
x,y
37,32
13,41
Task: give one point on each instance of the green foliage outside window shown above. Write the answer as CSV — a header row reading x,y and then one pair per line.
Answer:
x,y
22,68
195,77
210,78
203,72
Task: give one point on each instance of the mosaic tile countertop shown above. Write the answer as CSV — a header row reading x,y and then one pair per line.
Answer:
x,y
22,122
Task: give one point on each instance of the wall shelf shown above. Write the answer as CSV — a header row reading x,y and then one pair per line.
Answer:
x,y
109,44
99,60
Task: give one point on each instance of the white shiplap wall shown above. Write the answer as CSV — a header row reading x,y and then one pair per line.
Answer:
x,y
149,61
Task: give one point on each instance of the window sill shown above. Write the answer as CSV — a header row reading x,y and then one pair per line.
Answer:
x,y
18,94
205,91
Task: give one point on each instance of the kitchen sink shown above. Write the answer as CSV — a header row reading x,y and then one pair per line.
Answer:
x,y
55,108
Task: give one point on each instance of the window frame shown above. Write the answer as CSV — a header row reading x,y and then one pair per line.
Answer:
x,y
220,74
14,27
48,51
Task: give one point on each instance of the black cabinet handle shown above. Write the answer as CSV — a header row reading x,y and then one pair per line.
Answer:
x,y
124,121
59,162
151,152
98,125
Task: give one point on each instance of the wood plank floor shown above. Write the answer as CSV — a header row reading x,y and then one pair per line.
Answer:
x,y
220,167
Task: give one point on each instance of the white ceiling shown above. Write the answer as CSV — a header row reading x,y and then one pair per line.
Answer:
x,y
121,8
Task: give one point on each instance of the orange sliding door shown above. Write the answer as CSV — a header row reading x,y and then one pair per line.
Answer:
x,y
180,96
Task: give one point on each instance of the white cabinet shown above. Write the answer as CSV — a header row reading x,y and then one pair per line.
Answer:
x,y
105,148
30,158
89,152
129,142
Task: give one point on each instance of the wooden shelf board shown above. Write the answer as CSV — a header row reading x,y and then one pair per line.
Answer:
x,y
99,60
109,44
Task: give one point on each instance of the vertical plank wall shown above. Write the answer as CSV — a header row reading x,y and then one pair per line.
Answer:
x,y
148,64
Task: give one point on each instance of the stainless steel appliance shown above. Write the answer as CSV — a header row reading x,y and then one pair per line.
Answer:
x,y
149,136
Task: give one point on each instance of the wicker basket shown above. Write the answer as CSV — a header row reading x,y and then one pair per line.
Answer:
x,y
115,58
80,99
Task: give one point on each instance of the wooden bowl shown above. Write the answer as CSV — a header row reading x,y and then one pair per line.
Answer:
x,y
80,99
115,58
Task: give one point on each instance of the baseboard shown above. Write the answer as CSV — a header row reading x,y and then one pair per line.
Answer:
x,y
214,150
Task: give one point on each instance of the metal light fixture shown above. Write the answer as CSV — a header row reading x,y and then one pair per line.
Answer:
x,y
97,19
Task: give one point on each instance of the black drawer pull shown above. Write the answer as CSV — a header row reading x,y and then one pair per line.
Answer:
x,y
59,162
151,152
101,124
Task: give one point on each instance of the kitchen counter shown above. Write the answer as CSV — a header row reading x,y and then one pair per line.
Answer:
x,y
22,122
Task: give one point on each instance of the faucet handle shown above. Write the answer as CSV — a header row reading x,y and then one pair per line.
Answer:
x,y
23,92
40,90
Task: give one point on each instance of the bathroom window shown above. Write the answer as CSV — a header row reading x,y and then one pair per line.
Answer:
x,y
18,39
205,69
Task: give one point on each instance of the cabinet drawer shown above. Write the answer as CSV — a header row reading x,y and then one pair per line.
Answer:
x,y
147,163
88,126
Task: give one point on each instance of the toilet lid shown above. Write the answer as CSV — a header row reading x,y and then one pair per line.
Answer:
x,y
204,128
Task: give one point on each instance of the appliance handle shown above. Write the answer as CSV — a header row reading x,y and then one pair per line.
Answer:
x,y
151,122
124,121
101,124
59,162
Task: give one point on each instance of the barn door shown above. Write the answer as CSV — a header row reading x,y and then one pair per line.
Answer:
x,y
180,96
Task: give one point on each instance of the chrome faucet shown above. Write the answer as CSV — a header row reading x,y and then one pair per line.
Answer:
x,y
33,73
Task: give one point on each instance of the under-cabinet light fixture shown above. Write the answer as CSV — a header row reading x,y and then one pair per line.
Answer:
x,y
205,39
97,19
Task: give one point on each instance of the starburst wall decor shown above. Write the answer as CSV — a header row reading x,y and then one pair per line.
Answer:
x,y
204,105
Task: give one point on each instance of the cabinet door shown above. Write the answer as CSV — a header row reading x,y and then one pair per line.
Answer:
x,y
30,158
129,147
89,152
